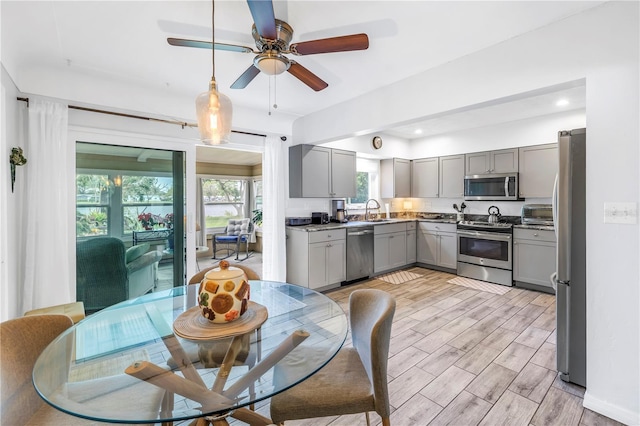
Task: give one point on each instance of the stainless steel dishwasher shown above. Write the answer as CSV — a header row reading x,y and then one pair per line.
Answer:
x,y
359,253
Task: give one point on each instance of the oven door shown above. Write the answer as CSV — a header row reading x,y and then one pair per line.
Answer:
x,y
485,248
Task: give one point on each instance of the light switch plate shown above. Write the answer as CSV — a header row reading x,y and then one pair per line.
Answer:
x,y
626,213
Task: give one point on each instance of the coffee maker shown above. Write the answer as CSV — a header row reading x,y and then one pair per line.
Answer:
x,y
338,211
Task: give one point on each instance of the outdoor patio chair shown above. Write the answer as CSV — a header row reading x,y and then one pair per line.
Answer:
x,y
237,232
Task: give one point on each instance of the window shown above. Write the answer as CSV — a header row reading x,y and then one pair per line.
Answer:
x,y
109,204
145,194
367,186
92,204
223,199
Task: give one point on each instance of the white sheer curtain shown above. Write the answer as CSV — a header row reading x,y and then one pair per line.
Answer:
x,y
201,236
48,226
274,251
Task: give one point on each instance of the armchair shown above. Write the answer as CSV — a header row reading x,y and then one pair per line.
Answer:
x,y
106,273
238,231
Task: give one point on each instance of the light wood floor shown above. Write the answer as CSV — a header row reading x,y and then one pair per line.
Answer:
x,y
465,357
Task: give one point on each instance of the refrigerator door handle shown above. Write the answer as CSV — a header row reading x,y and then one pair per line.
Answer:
x,y
554,206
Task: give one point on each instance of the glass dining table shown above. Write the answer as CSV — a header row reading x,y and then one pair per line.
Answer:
x,y
153,359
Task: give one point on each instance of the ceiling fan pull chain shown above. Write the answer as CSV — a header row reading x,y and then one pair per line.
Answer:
x,y
269,95
275,92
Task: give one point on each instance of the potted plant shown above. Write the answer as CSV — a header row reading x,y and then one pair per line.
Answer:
x,y
168,220
257,217
147,220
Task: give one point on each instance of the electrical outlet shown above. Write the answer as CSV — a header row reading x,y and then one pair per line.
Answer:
x,y
626,213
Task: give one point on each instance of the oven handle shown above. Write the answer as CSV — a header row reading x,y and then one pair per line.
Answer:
x,y
486,235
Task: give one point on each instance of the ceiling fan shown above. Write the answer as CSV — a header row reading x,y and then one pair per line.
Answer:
x,y
272,37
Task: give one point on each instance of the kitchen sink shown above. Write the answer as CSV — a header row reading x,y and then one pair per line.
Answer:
x,y
379,220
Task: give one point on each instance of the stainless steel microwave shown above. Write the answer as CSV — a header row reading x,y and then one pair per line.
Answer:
x,y
499,186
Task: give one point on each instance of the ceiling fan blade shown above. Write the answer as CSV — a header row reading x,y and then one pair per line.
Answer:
x,y
264,18
330,45
207,45
307,77
245,78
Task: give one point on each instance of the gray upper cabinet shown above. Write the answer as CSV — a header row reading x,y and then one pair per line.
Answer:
x,y
343,173
425,177
395,179
319,172
451,176
538,169
502,161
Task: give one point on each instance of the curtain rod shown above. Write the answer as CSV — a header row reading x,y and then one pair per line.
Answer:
x,y
182,124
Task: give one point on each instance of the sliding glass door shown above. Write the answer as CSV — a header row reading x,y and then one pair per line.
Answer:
x,y
134,196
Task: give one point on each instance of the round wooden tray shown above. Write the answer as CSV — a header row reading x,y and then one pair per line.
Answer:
x,y
192,325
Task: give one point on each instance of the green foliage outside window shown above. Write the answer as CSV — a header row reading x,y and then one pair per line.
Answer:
x,y
362,188
223,199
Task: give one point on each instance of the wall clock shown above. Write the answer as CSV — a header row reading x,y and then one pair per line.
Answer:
x,y
377,142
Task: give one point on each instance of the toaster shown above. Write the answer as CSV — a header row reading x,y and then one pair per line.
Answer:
x,y
537,214
318,218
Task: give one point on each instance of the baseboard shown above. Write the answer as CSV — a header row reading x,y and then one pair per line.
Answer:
x,y
610,410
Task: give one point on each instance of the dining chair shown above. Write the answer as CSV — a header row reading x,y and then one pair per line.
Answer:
x,y
21,342
355,380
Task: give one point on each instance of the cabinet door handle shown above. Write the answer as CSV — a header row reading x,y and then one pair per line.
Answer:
x,y
329,245
535,234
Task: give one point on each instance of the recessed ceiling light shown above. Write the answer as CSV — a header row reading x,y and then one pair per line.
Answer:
x,y
562,102
418,131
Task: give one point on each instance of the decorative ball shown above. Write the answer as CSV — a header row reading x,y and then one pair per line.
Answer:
x,y
224,293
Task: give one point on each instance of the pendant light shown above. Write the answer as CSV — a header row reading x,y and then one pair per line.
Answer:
x,y
213,109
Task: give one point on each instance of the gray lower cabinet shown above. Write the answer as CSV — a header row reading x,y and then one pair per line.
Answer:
x,y
411,243
389,247
534,256
316,260
437,244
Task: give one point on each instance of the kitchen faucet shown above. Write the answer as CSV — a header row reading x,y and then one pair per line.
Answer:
x,y
366,208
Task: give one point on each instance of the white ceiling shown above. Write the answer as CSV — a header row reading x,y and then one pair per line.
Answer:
x,y
124,42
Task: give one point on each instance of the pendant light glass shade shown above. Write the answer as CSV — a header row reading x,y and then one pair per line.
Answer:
x,y
214,112
213,109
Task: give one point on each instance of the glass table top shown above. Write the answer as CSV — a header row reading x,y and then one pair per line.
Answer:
x,y
126,363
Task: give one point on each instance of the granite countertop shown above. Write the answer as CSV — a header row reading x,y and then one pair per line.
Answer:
x,y
353,224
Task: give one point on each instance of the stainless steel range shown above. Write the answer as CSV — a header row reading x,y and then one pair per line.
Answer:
x,y
485,251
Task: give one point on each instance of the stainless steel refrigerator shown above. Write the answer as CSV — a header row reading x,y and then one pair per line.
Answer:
x,y
569,280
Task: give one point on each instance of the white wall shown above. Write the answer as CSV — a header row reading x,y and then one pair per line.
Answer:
x,y
601,46
9,203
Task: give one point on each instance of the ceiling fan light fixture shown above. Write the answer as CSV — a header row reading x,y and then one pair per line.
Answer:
x,y
271,62
214,112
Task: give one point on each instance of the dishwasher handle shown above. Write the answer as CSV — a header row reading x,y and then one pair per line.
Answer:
x,y
357,233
